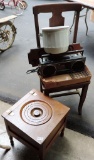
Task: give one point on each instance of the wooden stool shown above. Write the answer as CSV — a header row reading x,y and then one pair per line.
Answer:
x,y
35,120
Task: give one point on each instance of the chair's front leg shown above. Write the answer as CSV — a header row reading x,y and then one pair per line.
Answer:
x,y
82,98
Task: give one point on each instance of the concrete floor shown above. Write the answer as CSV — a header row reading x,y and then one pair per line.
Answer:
x,y
15,83
73,146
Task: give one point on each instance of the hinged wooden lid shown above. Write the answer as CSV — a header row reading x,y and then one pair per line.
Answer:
x,y
56,113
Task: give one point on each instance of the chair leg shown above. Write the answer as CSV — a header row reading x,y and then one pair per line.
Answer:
x,y
73,21
86,21
82,98
42,90
81,16
41,86
62,132
46,93
11,140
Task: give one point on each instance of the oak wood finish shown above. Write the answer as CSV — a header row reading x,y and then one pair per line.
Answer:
x,y
37,137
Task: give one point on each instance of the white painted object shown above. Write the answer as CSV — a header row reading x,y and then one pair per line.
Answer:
x,y
55,39
5,147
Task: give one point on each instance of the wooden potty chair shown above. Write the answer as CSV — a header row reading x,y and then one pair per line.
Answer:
x,y
36,120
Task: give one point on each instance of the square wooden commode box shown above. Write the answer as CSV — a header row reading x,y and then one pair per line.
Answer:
x,y
36,120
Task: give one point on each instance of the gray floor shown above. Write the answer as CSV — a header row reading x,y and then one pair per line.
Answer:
x,y
15,83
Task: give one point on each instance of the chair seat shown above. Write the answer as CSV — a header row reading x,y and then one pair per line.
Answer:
x,y
66,79
67,82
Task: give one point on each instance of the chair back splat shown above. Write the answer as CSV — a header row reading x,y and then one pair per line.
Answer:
x,y
57,19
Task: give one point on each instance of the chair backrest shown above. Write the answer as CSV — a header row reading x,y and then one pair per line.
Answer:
x,y
57,19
